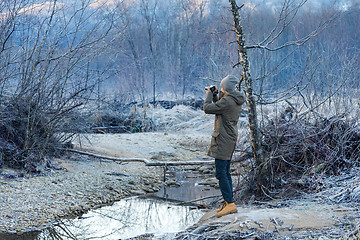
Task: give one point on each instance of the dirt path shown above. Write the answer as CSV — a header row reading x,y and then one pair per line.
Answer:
x,y
153,145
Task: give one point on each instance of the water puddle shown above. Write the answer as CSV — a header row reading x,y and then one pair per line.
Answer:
x,y
124,219
129,218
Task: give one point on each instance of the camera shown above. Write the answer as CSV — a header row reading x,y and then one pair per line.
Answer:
x,y
212,89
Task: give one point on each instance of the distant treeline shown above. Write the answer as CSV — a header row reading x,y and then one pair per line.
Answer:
x,y
153,50
177,47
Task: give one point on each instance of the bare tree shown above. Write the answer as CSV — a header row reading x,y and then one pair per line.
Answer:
x,y
126,38
148,11
286,16
49,50
250,98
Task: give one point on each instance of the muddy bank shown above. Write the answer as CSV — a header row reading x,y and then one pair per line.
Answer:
x,y
296,219
80,184
330,212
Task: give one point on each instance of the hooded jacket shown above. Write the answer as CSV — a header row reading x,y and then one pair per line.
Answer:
x,y
227,112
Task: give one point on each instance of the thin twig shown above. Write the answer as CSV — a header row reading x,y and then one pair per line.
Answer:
x,y
199,199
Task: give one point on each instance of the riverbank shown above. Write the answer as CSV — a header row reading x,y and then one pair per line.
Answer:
x,y
279,220
80,183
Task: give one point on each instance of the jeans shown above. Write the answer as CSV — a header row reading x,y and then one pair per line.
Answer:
x,y
222,173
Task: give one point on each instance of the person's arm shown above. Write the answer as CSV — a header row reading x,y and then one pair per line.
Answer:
x,y
215,98
216,107
215,92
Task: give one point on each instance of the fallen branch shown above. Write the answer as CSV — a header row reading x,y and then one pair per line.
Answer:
x,y
199,199
144,160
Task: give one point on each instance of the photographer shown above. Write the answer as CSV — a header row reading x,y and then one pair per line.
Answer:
x,y
227,108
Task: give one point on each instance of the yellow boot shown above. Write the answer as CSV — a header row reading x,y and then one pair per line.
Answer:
x,y
222,206
229,208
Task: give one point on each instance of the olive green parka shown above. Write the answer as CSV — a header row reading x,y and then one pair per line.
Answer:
x,y
227,112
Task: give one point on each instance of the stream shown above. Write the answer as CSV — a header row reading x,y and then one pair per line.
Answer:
x,y
155,215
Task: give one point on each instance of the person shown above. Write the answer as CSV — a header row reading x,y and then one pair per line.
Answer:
x,y
227,109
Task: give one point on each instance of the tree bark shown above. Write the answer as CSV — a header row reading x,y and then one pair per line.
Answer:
x,y
250,99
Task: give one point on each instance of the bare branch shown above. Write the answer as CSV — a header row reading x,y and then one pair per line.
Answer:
x,y
284,17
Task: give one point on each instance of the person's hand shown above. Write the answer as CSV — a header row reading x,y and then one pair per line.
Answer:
x,y
212,89
215,92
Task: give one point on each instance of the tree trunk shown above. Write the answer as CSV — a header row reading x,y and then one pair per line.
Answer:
x,y
250,99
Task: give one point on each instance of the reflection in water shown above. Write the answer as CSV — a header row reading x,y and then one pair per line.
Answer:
x,y
189,188
126,218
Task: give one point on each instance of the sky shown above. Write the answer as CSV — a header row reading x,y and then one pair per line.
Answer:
x,y
272,4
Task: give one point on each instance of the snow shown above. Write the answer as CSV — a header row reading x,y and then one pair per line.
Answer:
x,y
183,133
182,118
